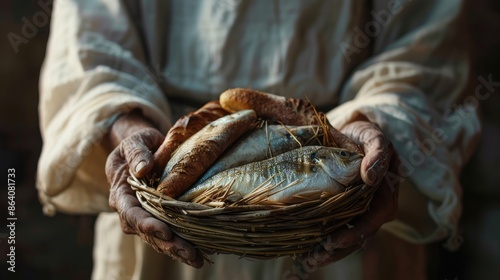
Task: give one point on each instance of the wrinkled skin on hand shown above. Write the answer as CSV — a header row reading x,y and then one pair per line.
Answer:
x,y
133,154
380,162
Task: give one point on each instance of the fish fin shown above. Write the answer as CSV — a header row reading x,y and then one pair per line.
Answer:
x,y
308,195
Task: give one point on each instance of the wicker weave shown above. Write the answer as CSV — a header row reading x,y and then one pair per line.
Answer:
x,y
255,231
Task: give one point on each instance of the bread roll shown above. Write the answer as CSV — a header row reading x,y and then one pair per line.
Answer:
x,y
288,111
200,151
184,128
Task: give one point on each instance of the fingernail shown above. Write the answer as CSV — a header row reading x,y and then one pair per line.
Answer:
x,y
372,175
183,254
161,236
140,166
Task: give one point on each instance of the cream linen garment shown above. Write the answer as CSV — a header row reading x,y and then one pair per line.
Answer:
x,y
401,64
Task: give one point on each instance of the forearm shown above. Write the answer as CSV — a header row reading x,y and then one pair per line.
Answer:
x,y
408,88
92,73
124,126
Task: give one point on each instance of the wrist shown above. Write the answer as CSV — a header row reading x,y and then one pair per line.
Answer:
x,y
124,126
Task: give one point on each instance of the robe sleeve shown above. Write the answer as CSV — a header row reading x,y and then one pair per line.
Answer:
x,y
414,87
94,71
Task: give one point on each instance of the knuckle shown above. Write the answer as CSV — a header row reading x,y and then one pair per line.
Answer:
x,y
126,227
137,148
134,154
127,220
112,201
148,225
149,136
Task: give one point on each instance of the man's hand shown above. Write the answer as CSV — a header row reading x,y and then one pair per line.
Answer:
x,y
134,139
379,158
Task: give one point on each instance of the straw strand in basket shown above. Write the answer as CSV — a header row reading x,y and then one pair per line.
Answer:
x,y
253,226
255,231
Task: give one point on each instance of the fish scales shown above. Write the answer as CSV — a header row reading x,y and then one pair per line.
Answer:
x,y
304,172
258,172
263,143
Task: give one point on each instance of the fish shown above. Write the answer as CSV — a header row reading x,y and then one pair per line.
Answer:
x,y
301,174
262,143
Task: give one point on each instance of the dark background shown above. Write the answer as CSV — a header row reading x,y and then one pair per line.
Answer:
x,y
60,247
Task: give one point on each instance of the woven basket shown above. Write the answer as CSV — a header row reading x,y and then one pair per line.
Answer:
x,y
255,231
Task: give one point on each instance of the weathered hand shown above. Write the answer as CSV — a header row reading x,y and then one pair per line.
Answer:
x,y
379,164
378,150
133,154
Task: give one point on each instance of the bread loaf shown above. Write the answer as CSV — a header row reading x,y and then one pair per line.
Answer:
x,y
191,159
272,107
279,109
184,128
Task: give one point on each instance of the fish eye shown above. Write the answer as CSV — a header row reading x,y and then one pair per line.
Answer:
x,y
343,154
317,156
314,156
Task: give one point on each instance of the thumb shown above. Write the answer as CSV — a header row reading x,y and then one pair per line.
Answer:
x,y
137,150
376,148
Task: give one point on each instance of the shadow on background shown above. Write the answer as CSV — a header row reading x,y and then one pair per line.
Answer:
x,y
46,248
60,247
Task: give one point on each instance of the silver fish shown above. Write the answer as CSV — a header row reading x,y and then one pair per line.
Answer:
x,y
263,143
303,173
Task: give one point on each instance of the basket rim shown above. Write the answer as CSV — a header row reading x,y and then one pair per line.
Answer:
x,y
255,231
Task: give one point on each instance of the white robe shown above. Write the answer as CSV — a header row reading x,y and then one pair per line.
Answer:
x,y
402,64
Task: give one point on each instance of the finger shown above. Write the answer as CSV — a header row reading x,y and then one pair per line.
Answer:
x,y
377,156
383,208
133,217
141,221
374,167
115,168
346,237
197,262
376,148
393,177
137,148
135,220
323,257
125,203
177,249
384,205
